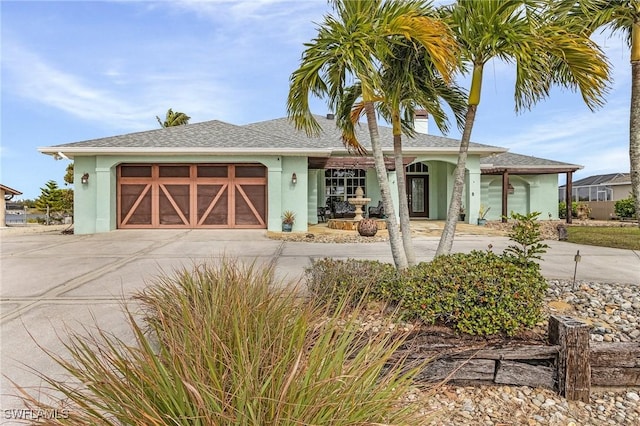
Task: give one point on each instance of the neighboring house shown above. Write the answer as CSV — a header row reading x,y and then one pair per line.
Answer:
x,y
599,192
219,175
7,194
611,187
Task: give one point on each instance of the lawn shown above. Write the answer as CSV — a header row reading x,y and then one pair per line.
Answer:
x,y
627,237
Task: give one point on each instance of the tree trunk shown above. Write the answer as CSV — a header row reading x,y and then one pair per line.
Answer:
x,y
448,233
634,134
399,257
405,224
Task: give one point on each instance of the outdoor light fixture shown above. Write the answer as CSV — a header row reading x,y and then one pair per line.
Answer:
x,y
294,179
85,179
510,188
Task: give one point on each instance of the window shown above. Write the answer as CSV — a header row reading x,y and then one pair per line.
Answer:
x,y
417,168
341,184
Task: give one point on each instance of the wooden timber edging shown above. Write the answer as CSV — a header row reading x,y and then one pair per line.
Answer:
x,y
570,365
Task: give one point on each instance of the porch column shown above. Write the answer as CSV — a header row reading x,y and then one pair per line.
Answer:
x,y
312,196
567,197
3,217
474,192
274,223
505,195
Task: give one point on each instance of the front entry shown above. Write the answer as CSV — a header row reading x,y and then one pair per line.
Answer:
x,y
417,195
192,196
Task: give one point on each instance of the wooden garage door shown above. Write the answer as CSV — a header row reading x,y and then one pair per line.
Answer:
x,y
192,196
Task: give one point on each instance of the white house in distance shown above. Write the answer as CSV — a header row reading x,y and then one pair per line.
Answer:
x,y
7,194
599,192
218,175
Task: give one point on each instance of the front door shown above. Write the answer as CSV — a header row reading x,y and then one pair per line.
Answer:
x,y
417,194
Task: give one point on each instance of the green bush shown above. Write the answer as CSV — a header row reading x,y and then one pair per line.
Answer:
x,y
562,209
227,345
333,281
625,208
477,293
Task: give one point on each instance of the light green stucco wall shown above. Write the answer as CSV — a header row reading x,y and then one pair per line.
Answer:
x,y
531,193
84,196
95,203
441,169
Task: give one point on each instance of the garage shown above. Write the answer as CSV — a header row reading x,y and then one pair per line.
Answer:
x,y
191,196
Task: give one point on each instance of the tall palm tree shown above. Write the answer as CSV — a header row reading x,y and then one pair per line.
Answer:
x,y
545,54
349,48
620,16
174,119
409,82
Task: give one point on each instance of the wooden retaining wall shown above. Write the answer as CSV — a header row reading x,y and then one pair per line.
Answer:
x,y
570,364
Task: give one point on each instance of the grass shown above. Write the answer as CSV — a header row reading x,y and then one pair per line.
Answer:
x,y
227,345
627,237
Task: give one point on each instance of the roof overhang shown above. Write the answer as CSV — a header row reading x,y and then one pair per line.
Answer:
x,y
529,170
162,151
59,152
10,192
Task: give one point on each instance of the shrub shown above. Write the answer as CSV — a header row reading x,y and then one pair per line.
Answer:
x,y
526,234
562,209
332,281
625,208
224,348
477,293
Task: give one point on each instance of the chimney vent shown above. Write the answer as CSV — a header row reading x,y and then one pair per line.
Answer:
x,y
330,116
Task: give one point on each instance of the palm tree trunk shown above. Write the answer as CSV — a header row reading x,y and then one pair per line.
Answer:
x,y
634,135
399,257
446,240
405,223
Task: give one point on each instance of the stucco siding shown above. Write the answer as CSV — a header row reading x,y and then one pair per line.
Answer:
x,y
531,193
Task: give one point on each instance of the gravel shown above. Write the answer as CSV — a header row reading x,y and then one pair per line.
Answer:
x,y
613,310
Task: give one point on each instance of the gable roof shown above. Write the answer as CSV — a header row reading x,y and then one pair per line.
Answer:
x,y
276,137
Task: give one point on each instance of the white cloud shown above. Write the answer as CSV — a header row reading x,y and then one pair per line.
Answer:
x,y
121,99
32,78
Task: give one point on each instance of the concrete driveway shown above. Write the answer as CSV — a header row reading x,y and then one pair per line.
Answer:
x,y
52,282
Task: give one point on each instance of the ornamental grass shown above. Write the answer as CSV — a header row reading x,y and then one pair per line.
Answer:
x,y
226,344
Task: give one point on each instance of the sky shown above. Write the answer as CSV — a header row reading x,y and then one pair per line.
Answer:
x,y
79,70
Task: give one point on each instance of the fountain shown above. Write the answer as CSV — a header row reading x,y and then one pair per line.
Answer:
x,y
358,202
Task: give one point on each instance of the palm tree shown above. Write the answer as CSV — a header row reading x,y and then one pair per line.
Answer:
x,y
349,48
621,16
545,54
409,82
174,119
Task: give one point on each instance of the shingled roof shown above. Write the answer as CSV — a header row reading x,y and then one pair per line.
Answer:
x,y
608,179
523,164
270,137
330,136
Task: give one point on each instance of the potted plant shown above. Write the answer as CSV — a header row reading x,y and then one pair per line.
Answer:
x,y
462,215
482,213
288,217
